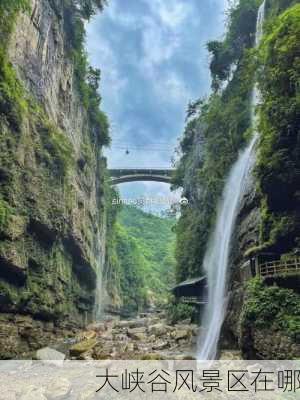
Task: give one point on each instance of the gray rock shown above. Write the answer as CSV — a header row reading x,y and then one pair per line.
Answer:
x,y
159,329
181,334
49,354
97,327
137,333
160,346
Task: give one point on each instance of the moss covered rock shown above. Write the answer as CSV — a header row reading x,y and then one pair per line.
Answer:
x,y
270,322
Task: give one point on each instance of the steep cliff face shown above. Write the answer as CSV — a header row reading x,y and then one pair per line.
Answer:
x,y
263,320
268,218
52,212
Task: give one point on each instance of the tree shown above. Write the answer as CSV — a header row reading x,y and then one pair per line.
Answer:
x,y
88,8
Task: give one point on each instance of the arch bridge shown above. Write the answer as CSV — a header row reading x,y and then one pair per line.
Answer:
x,y
140,174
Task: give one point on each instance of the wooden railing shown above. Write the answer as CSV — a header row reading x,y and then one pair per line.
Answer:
x,y
280,268
193,300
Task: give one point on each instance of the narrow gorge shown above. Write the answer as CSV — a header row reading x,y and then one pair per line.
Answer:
x,y
219,272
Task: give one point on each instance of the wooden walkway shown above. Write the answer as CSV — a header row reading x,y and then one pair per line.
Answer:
x,y
274,269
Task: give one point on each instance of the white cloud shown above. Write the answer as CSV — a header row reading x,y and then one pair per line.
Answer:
x,y
119,15
112,82
174,89
162,31
158,45
172,13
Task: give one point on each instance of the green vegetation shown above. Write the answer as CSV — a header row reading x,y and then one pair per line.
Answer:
x,y
143,258
5,211
12,96
216,129
219,126
37,227
239,36
132,265
59,149
88,8
278,163
271,307
87,78
12,102
179,311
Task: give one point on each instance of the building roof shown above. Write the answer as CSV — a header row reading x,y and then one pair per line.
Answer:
x,y
190,282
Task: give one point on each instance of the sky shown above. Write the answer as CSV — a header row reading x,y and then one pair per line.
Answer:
x,y
153,60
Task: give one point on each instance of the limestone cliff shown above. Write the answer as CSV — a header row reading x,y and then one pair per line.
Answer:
x,y
52,209
263,317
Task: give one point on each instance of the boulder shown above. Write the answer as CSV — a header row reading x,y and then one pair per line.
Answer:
x,y
82,347
137,333
107,336
159,329
97,327
160,346
193,329
152,357
130,347
179,334
134,323
49,354
137,323
122,324
86,335
103,351
186,321
230,355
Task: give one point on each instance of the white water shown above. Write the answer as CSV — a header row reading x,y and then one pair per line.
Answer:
x,y
216,259
100,261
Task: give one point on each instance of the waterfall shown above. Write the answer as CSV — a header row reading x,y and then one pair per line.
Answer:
x,y
216,259
100,261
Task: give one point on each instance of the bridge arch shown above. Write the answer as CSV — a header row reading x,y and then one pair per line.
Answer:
x,y
140,174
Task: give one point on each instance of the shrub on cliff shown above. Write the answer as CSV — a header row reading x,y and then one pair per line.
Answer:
x,y
239,36
222,124
87,78
278,163
267,307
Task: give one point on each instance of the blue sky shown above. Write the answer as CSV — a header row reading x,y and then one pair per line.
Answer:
x,y
153,61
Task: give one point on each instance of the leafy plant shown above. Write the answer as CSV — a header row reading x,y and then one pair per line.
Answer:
x,y
141,254
179,311
271,306
12,96
5,212
279,148
58,147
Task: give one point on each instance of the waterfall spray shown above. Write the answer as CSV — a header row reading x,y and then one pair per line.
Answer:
x,y
216,259
100,261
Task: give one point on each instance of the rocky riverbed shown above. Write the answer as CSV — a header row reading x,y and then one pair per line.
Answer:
x,y
149,336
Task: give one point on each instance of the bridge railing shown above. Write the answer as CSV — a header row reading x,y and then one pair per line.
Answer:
x,y
139,171
280,268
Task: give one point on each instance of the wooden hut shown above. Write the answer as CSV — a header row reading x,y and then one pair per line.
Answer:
x,y
192,291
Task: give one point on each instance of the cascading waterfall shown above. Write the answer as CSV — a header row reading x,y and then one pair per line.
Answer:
x,y
216,259
100,260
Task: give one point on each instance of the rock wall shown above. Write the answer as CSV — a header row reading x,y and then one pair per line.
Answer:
x,y
51,186
246,236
